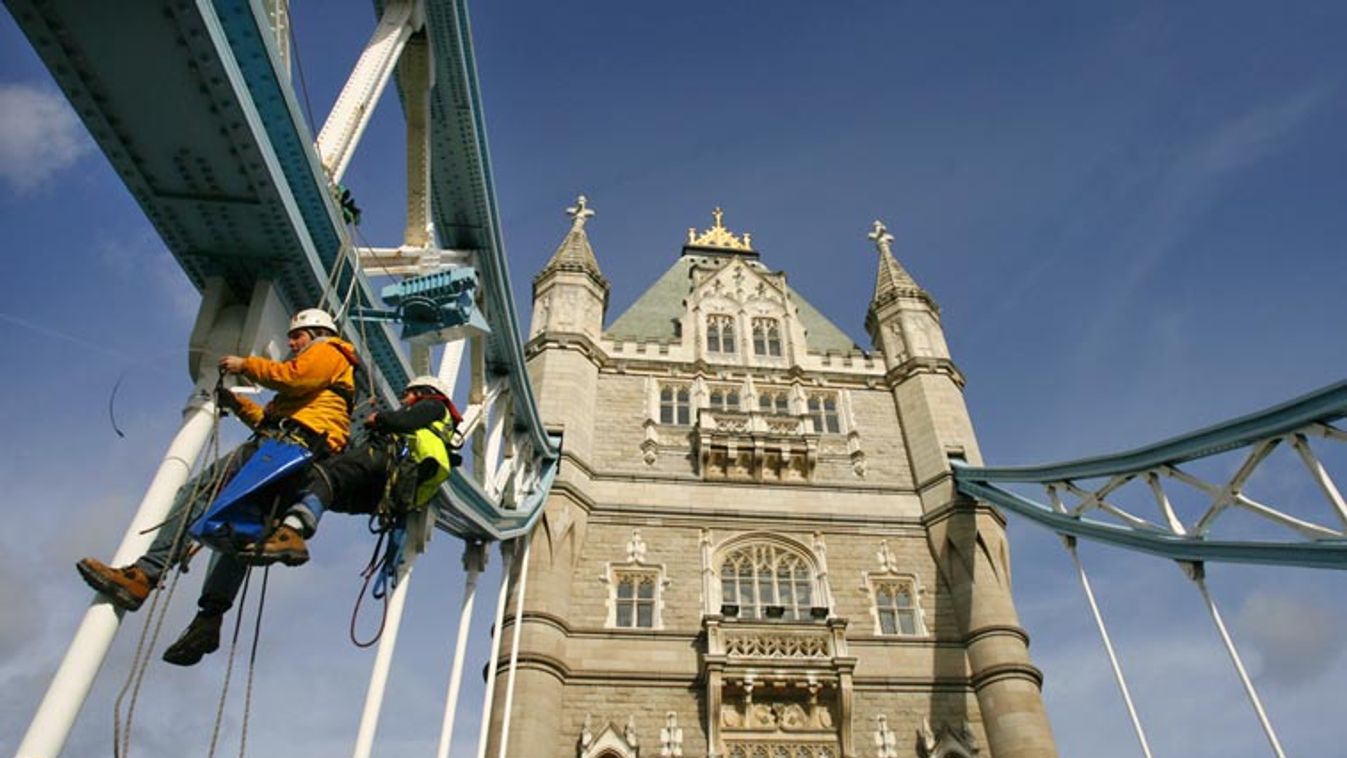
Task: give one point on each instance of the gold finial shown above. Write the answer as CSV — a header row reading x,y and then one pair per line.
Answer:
x,y
880,234
579,213
718,235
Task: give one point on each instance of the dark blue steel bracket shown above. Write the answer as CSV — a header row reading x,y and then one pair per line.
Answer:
x,y
1324,405
433,308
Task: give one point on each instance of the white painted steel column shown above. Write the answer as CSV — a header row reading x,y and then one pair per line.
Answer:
x,y
514,644
1108,645
495,653
70,687
374,697
450,361
474,560
355,105
1197,573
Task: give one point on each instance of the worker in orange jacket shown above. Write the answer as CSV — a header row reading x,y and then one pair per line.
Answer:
x,y
315,393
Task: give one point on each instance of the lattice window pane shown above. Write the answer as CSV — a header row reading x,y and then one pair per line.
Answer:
x,y
635,598
674,405
895,606
720,334
804,590
766,337
760,575
729,589
830,419
823,414
888,621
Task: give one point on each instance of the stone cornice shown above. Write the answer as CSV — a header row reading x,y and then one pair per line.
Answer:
x,y
962,505
580,342
997,630
1003,671
918,365
912,684
692,518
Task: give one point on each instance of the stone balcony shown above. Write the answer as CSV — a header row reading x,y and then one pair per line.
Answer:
x,y
754,446
778,688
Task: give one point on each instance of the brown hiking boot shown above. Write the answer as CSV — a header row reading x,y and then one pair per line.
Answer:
x,y
201,637
285,545
127,587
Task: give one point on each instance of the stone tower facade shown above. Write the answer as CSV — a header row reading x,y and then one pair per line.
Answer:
x,y
754,548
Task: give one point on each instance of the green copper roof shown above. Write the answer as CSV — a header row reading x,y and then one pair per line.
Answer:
x,y
653,316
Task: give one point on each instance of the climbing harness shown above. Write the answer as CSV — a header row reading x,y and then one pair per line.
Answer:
x,y
241,514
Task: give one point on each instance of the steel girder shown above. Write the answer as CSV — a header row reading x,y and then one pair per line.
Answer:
x,y
188,103
1293,424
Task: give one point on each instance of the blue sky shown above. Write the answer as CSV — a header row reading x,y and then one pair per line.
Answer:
x,y
1132,215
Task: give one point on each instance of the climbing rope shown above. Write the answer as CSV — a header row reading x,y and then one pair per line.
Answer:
x,y
252,663
229,664
159,604
376,565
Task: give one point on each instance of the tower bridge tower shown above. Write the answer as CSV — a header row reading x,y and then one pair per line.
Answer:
x,y
754,547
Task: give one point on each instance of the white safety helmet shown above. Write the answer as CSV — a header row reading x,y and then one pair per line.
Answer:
x,y
313,318
431,383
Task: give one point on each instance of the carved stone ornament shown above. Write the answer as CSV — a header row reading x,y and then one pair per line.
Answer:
x,y
886,742
718,236
671,737
887,563
636,547
778,646
948,742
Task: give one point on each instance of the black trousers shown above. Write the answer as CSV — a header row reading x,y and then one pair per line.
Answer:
x,y
352,481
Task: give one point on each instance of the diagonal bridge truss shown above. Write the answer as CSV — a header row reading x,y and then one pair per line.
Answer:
x,y
1071,507
193,105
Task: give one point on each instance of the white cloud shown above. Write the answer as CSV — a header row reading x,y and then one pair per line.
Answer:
x,y
1296,638
39,135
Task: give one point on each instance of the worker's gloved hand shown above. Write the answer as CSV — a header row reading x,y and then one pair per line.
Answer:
x,y
226,399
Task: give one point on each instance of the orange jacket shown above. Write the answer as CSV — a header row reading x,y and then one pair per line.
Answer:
x,y
303,386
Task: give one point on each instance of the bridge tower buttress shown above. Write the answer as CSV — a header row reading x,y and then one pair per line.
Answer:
x,y
967,539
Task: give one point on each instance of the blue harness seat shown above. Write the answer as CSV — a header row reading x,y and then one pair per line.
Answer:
x,y
238,515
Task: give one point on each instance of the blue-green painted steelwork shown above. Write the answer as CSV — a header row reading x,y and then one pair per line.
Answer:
x,y
223,164
1321,406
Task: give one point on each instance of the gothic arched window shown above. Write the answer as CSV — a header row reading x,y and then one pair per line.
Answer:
x,y
724,399
720,334
766,580
767,337
770,401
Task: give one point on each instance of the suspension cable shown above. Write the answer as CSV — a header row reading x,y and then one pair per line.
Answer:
x,y
487,697
520,587
1198,573
1070,543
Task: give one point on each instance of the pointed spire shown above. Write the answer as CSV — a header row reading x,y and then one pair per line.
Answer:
x,y
575,253
892,279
